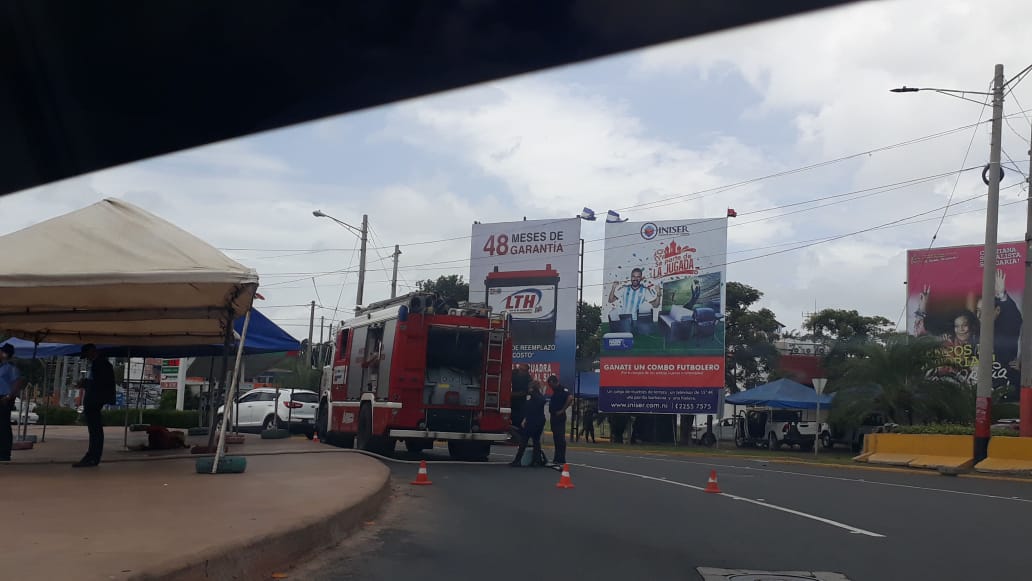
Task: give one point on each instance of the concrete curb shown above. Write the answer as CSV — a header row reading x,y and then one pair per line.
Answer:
x,y
260,557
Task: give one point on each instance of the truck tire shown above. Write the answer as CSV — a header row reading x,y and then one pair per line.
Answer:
x,y
826,441
365,440
469,451
417,445
772,442
708,439
739,440
322,423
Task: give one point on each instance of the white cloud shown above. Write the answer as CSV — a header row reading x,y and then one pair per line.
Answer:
x,y
556,144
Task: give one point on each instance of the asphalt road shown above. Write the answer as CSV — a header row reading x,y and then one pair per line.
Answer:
x,y
635,516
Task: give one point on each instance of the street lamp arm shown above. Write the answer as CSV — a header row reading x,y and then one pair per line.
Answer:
x,y
957,94
321,214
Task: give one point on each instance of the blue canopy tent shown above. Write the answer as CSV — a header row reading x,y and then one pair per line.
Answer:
x,y
25,349
263,336
781,394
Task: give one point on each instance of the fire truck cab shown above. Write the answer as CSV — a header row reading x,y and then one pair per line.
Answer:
x,y
412,369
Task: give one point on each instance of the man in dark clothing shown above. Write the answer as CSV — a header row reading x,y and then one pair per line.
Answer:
x,y
100,390
561,401
588,428
533,424
11,383
520,386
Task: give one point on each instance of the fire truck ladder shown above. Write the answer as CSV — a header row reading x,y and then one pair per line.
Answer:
x,y
499,329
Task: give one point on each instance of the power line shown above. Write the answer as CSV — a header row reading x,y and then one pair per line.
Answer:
x,y
645,205
838,198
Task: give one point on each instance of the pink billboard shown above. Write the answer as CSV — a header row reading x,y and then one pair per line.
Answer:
x,y
944,299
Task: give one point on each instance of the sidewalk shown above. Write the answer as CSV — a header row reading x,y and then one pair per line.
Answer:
x,y
158,519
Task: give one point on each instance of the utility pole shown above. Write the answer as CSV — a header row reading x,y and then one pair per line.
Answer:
x,y
574,425
984,394
394,277
322,345
1026,322
311,331
362,259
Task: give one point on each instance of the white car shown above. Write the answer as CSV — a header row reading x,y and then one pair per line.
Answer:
x,y
723,430
259,408
19,412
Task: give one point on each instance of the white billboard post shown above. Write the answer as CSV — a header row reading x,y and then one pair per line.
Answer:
x,y
818,386
529,270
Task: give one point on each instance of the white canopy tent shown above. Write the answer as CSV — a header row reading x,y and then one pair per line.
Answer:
x,y
113,273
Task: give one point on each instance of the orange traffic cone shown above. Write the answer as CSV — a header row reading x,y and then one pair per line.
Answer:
x,y
564,480
421,478
711,484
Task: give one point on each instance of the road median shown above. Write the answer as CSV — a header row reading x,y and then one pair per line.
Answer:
x,y
1008,455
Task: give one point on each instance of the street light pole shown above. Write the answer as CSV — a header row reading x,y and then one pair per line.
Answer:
x,y
1025,425
362,260
987,316
363,234
394,276
984,394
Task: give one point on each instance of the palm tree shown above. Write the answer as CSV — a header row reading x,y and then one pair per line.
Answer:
x,y
905,378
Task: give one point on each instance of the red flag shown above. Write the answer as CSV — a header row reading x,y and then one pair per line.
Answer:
x,y
731,213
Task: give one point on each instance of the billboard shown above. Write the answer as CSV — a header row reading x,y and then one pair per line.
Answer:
x,y
663,316
944,289
529,269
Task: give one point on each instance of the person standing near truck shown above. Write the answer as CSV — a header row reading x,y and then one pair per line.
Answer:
x,y
520,387
533,424
561,401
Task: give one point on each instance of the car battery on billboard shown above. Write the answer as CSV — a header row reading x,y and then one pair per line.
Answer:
x,y
530,298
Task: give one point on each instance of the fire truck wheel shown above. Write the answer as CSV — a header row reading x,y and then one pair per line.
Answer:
x,y
415,446
322,424
469,451
365,439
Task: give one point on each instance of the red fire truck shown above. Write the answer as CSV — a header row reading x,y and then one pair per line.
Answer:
x,y
415,370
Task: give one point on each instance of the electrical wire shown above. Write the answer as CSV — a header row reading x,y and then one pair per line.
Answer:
x,y
837,198
643,205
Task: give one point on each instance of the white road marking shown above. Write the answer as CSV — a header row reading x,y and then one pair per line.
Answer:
x,y
839,478
833,523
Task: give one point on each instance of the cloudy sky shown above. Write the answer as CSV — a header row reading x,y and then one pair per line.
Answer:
x,y
677,131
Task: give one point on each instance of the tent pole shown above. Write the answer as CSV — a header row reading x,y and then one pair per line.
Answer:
x,y
23,412
220,450
227,343
43,438
202,418
127,384
238,374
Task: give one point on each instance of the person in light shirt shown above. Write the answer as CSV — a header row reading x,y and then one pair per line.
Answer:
x,y
637,301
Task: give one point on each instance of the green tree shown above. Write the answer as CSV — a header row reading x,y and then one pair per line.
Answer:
x,y
589,322
452,288
847,325
301,374
751,355
904,378
168,399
